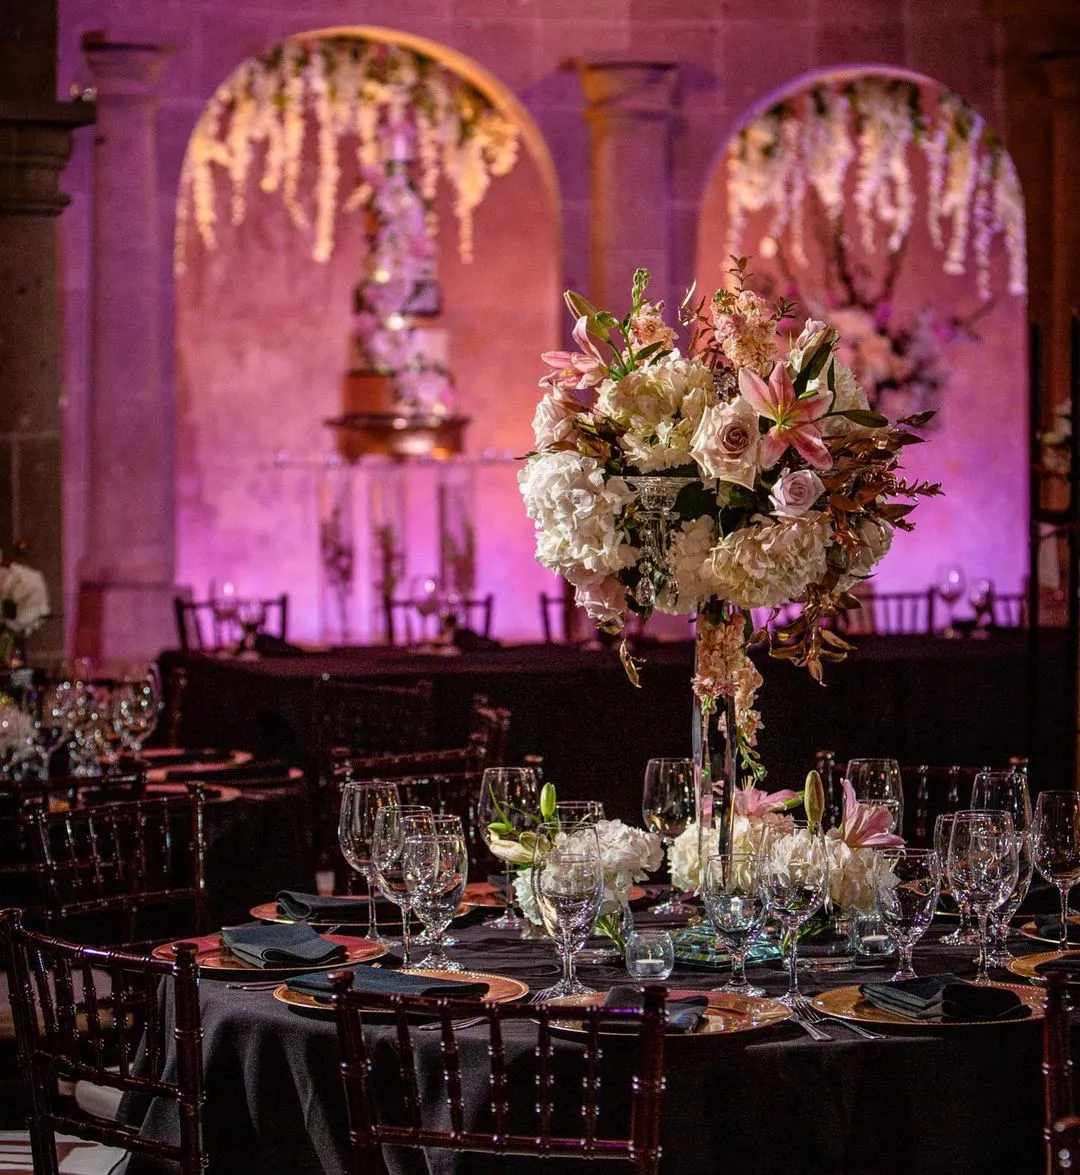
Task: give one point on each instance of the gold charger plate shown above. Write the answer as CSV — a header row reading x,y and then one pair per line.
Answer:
x,y
214,959
235,759
1024,965
724,1013
268,912
847,1003
217,794
1031,930
501,989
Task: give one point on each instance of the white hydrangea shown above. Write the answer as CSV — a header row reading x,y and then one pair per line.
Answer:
x,y
875,539
683,861
16,733
628,855
690,564
854,874
525,898
767,564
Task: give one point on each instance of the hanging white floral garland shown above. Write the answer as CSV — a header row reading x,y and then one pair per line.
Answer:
x,y
812,140
371,92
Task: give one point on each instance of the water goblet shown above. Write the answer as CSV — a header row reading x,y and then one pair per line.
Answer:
x,y
568,886
877,781
223,606
435,868
667,807
983,865
796,885
1057,846
433,824
54,723
650,955
733,890
1007,791
951,582
509,801
251,616
906,894
387,846
965,935
361,801
140,709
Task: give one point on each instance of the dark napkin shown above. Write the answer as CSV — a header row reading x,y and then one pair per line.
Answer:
x,y
382,982
682,1015
292,903
1049,926
259,769
945,999
281,945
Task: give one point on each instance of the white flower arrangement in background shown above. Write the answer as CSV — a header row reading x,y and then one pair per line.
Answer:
x,y
24,599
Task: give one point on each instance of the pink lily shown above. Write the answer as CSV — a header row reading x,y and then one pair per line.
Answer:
x,y
575,369
866,825
753,802
793,417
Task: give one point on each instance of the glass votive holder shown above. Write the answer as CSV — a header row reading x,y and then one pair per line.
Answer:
x,y
650,955
872,936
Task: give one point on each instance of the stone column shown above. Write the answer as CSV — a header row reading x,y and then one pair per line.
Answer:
x,y
126,589
1063,73
35,142
632,112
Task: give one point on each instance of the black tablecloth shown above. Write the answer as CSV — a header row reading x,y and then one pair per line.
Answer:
x,y
918,699
945,1101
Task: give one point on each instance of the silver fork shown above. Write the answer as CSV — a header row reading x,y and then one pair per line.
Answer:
x,y
799,1017
816,1016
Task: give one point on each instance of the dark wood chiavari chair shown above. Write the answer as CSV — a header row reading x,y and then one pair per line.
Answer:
x,y
89,1015
200,626
1061,1128
891,613
413,622
518,1113
115,870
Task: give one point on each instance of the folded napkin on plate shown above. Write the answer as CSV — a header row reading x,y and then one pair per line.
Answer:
x,y
1069,964
945,999
383,982
256,769
682,1015
281,945
291,903
1049,926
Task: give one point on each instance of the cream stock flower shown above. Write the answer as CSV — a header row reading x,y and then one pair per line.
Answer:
x,y
747,336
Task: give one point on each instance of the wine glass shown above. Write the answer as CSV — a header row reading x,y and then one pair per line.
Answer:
x,y
140,708
425,593
983,865
387,846
1007,791
251,616
223,606
965,935
667,807
981,598
55,722
568,886
361,801
796,884
432,824
1057,846
877,781
733,891
906,894
509,801
435,867
951,582
570,813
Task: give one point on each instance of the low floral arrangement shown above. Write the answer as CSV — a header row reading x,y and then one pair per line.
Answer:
x,y
763,825
628,856
24,604
715,480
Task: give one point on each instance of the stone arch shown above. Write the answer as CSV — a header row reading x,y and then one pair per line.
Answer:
x,y
979,448
262,344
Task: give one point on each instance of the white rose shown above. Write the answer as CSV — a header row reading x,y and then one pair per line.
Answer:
x,y
795,493
725,443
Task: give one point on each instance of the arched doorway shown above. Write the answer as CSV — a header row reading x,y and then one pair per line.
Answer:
x,y
978,443
262,347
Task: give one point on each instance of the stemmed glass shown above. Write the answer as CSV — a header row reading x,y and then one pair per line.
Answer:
x,y
435,868
983,866
981,598
733,891
224,609
667,807
796,884
965,935
906,894
877,781
361,801
140,708
251,616
1007,791
387,847
55,722
570,813
508,800
568,885
951,582
1057,846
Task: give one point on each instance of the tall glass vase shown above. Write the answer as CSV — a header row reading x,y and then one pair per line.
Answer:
x,y
713,732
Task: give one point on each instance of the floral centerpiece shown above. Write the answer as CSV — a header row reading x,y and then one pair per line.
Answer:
x,y
24,604
715,480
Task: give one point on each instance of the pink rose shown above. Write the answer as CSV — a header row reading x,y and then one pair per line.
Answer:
x,y
725,443
794,494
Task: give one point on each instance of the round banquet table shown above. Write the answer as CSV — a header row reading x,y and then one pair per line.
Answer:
x,y
940,1100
